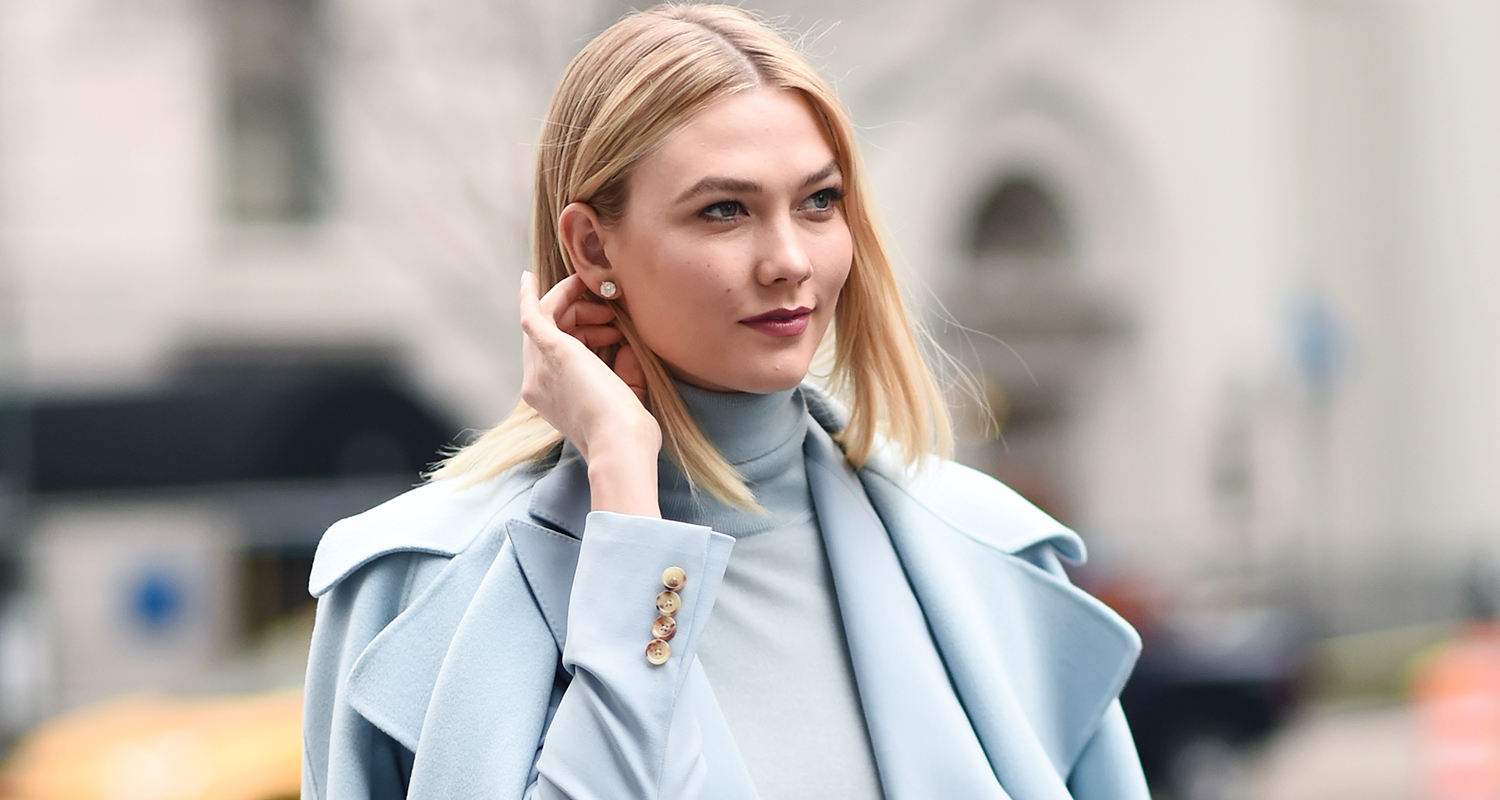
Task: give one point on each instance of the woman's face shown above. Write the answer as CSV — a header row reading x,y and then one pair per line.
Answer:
x,y
733,245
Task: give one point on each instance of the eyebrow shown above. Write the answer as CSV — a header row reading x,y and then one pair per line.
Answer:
x,y
715,183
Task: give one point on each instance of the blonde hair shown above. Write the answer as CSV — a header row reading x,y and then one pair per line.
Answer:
x,y
619,98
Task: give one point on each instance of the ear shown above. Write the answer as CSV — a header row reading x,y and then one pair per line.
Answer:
x,y
582,236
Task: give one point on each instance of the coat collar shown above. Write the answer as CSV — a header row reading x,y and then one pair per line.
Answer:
x,y
560,498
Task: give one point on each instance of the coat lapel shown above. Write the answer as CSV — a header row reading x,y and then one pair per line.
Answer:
x,y
1034,661
548,559
467,670
924,743
469,667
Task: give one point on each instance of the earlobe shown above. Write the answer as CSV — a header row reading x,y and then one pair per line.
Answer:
x,y
582,236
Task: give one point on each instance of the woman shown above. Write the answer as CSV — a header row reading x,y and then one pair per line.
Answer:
x,y
677,570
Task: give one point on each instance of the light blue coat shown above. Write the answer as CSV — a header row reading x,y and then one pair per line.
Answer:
x,y
441,657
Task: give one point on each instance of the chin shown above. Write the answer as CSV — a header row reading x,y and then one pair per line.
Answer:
x,y
765,382
777,384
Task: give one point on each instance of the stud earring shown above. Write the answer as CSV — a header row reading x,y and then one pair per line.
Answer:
x,y
608,289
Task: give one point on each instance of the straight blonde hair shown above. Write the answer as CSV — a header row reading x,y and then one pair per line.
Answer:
x,y
619,98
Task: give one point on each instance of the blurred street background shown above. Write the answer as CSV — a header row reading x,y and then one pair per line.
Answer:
x,y
1227,273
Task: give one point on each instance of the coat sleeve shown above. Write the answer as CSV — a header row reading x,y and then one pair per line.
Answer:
x,y
624,727
343,754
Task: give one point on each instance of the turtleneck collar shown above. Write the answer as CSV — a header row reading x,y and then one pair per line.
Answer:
x,y
745,426
761,435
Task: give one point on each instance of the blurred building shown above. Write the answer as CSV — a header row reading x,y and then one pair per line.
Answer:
x,y
1226,272
1229,270
258,264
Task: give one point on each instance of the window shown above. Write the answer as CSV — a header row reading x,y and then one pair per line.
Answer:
x,y
271,170
1020,221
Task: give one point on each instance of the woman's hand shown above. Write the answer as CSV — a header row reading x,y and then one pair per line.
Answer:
x,y
596,406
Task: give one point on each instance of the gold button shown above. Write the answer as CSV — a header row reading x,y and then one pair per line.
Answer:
x,y
674,578
668,603
664,628
658,651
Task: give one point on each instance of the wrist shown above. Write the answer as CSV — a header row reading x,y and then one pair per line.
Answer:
x,y
622,470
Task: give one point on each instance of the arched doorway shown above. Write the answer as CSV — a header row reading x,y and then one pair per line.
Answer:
x,y
1033,324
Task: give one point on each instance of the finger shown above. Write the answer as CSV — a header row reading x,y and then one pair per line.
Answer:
x,y
597,336
560,297
528,292
530,306
585,312
539,326
628,367
592,312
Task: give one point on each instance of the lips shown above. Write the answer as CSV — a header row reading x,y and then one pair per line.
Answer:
x,y
780,322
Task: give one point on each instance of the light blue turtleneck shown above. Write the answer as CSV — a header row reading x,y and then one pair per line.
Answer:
x,y
774,648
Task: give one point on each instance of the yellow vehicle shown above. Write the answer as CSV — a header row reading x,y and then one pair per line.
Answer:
x,y
143,747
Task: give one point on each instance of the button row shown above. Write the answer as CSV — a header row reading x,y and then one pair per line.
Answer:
x,y
668,603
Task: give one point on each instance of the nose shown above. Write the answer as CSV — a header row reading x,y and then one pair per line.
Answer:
x,y
782,254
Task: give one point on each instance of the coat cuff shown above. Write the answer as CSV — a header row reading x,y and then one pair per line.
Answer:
x,y
625,727
613,601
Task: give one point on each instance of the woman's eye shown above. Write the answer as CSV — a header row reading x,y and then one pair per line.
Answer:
x,y
824,200
728,209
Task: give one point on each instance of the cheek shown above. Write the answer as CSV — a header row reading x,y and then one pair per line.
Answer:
x,y
678,270
832,262
679,300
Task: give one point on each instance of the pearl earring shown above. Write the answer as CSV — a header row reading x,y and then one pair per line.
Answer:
x,y
608,289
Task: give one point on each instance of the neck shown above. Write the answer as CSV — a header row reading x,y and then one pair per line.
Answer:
x,y
761,436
